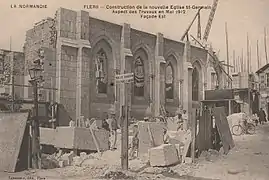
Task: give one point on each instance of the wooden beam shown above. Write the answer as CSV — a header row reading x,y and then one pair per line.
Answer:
x,y
193,133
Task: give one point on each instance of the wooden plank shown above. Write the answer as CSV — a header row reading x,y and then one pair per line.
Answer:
x,y
11,135
223,128
193,133
208,129
187,142
151,137
202,130
95,140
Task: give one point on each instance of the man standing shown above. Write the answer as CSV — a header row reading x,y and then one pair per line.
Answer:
x,y
114,127
185,120
135,142
262,116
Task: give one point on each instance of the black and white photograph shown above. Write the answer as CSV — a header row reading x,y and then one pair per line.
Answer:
x,y
135,90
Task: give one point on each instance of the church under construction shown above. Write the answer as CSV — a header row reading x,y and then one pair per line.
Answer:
x,y
83,55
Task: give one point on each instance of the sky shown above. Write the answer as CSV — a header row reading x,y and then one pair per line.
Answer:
x,y
242,16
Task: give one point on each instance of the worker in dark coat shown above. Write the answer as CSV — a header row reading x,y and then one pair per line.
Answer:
x,y
262,116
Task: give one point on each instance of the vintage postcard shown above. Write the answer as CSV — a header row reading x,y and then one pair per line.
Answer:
x,y
124,89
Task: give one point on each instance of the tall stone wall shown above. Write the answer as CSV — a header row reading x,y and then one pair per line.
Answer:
x,y
39,37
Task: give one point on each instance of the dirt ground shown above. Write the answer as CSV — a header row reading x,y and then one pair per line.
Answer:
x,y
249,160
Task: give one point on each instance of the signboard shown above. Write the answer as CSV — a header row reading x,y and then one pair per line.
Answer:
x,y
218,94
124,78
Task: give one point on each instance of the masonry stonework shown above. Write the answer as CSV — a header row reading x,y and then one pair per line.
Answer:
x,y
75,72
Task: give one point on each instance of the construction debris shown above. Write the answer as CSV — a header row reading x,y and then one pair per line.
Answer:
x,y
116,175
211,155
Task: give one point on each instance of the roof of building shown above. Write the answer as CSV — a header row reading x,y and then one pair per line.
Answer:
x,y
262,68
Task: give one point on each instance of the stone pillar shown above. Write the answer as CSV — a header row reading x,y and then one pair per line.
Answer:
x,y
162,84
125,63
190,68
79,83
159,59
58,57
185,85
181,94
83,66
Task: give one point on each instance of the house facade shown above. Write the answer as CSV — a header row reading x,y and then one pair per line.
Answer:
x,y
263,75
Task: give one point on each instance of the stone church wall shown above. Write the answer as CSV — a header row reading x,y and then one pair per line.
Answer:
x,y
75,66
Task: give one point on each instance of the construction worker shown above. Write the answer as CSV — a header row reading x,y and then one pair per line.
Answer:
x,y
185,120
113,128
179,122
166,137
135,142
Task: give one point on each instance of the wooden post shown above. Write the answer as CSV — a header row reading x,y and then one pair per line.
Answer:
x,y
35,131
229,107
193,133
124,138
29,145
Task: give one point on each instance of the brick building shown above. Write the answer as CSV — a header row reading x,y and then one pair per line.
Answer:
x,y
88,52
12,67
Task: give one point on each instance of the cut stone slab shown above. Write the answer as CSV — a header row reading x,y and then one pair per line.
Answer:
x,y
47,136
81,138
163,155
156,128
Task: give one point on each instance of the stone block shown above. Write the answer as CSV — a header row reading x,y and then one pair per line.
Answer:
x,y
83,155
68,157
157,130
47,136
63,163
77,161
163,155
81,138
187,160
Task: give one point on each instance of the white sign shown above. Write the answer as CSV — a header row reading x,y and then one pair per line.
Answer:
x,y
125,78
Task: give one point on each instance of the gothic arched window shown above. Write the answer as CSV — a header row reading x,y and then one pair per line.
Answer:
x,y
169,81
101,72
139,77
195,84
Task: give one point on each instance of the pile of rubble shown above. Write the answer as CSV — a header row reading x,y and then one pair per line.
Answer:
x,y
60,159
211,155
